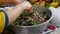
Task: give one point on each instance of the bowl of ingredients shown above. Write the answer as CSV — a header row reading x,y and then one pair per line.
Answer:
x,y
45,3
34,22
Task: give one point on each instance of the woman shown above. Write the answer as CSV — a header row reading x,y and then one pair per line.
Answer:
x,y
7,18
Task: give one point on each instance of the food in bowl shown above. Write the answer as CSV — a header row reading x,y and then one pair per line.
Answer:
x,y
33,18
46,3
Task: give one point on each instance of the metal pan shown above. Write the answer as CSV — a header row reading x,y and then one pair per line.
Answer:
x,y
36,29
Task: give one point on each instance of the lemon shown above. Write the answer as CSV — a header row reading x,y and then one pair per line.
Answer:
x,y
42,4
54,4
37,3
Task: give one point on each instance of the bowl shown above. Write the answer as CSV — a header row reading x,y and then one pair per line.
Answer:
x,y
35,29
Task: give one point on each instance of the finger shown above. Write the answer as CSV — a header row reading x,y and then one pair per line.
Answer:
x,y
30,10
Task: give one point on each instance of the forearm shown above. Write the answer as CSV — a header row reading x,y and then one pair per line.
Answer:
x,y
14,13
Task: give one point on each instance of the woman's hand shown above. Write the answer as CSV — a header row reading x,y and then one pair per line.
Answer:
x,y
26,5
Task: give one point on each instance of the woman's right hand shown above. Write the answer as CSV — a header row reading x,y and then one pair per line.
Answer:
x,y
26,5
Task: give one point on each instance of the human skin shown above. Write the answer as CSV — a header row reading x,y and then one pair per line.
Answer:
x,y
17,9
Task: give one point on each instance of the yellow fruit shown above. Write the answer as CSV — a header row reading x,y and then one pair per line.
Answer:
x,y
42,4
37,3
33,1
54,4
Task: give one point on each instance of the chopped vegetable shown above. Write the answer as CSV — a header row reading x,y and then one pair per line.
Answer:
x,y
29,19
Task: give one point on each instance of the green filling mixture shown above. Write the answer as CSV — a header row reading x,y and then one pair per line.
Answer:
x,y
29,19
